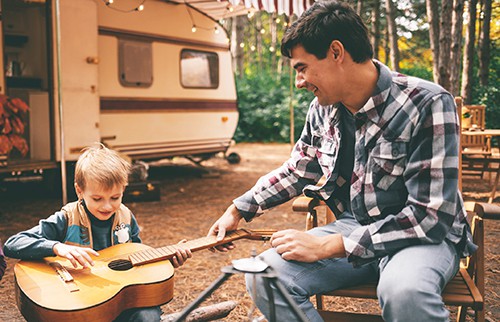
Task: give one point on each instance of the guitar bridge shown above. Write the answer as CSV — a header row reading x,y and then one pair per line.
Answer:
x,y
65,276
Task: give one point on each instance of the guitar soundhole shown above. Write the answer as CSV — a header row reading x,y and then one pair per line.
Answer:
x,y
120,265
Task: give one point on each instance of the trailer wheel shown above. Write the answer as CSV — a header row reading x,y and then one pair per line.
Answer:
x,y
233,158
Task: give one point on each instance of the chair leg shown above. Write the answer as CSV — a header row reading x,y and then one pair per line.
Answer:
x,y
494,188
319,302
479,316
461,313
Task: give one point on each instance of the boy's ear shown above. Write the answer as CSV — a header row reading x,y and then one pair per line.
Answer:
x,y
78,190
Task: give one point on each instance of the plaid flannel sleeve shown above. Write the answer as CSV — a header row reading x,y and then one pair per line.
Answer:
x,y
431,178
284,183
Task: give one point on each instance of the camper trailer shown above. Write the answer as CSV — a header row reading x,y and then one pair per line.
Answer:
x,y
152,82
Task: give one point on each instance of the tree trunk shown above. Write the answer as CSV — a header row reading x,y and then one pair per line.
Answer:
x,y
274,39
432,9
237,42
445,44
393,34
468,59
387,51
375,28
258,39
359,7
484,43
456,46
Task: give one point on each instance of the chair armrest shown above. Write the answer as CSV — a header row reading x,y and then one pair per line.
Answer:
x,y
487,210
305,204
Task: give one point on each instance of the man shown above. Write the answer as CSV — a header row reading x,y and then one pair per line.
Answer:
x,y
387,145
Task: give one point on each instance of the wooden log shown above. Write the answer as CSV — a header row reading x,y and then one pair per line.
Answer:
x,y
205,313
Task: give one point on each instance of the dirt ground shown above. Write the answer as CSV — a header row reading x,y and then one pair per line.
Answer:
x,y
192,198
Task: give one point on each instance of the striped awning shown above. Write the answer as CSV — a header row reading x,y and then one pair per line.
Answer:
x,y
220,9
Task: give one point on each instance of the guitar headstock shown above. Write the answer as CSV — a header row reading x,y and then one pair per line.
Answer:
x,y
259,234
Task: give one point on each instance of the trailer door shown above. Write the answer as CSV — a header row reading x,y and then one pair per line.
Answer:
x,y
79,81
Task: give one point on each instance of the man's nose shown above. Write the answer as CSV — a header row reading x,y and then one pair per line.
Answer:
x,y
300,82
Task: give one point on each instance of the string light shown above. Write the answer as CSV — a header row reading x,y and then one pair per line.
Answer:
x,y
109,3
195,27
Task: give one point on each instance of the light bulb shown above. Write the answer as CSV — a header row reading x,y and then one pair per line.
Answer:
x,y
193,29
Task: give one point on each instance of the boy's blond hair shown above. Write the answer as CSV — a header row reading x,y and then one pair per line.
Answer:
x,y
103,166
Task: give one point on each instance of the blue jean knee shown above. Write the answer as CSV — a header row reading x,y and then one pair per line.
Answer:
x,y
302,280
412,280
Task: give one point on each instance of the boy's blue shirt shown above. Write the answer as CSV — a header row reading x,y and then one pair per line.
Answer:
x,y
38,242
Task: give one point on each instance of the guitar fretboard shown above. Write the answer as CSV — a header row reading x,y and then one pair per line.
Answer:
x,y
167,252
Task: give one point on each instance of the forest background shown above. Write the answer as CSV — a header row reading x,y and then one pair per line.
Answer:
x,y
451,42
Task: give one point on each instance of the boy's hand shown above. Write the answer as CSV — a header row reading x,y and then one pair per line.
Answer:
x,y
181,255
76,255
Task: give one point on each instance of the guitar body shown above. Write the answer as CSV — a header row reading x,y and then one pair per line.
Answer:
x,y
99,293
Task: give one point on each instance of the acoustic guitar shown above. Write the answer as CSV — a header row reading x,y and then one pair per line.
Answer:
x,y
123,276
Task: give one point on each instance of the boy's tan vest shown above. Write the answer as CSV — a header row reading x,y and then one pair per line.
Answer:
x,y
79,229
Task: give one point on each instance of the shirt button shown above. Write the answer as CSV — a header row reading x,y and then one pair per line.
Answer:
x,y
395,152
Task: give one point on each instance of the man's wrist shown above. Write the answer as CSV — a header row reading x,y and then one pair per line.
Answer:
x,y
235,212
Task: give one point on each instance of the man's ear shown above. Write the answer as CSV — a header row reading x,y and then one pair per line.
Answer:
x,y
336,50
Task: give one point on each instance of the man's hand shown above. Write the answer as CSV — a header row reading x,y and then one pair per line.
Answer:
x,y
75,254
227,222
181,255
300,246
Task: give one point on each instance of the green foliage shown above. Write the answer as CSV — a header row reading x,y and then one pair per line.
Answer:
x,y
264,106
418,71
490,95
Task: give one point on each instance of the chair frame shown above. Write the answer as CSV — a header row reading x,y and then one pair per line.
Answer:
x,y
465,290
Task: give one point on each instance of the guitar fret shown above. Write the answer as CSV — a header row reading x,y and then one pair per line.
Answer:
x,y
147,254
171,250
155,253
141,256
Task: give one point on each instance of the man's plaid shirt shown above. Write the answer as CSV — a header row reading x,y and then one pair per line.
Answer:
x,y
404,185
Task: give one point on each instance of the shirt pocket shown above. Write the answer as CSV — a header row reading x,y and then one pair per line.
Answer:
x,y
388,164
326,153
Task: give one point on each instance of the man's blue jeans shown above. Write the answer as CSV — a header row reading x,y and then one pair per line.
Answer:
x,y
410,282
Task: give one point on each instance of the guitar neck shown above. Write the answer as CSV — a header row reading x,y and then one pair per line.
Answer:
x,y
167,252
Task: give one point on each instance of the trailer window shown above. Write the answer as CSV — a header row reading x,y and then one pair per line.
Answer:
x,y
199,69
136,63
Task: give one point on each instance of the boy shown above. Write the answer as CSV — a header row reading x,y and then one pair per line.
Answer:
x,y
96,221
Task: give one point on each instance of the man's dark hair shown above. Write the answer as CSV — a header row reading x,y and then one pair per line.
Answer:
x,y
325,22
